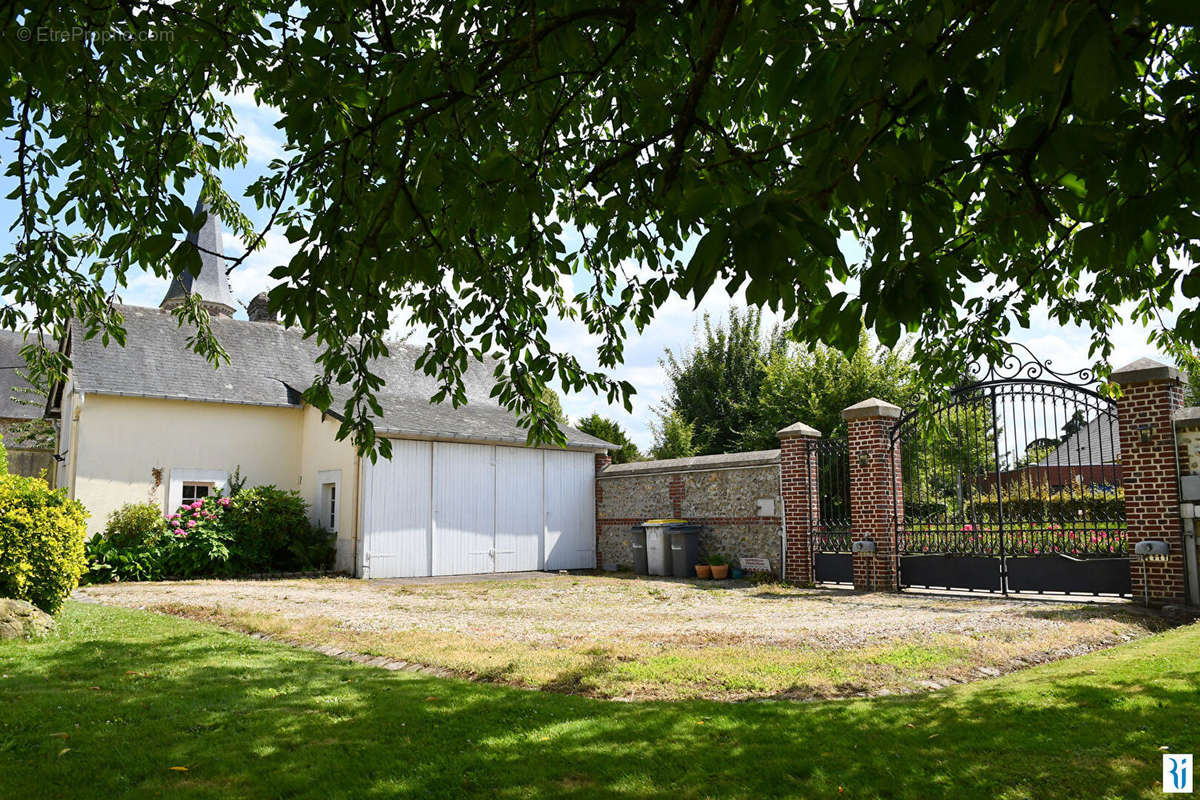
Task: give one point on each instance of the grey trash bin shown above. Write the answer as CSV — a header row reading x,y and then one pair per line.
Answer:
x,y
685,550
637,542
658,547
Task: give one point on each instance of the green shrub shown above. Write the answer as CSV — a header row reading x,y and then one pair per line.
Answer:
x,y
1040,503
134,523
3,457
263,529
131,548
198,539
270,530
41,542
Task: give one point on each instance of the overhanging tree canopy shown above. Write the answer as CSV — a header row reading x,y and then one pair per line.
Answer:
x,y
990,156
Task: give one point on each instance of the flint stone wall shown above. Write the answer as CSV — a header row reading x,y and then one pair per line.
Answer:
x,y
734,496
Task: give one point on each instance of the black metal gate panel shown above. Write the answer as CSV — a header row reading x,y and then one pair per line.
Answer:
x,y
1013,484
830,524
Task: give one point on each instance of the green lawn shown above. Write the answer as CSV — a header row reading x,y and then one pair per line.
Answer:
x,y
107,708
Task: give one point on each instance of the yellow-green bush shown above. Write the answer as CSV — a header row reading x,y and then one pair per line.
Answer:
x,y
41,542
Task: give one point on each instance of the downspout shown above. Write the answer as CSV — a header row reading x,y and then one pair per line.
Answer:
x,y
73,455
782,523
357,567
1191,582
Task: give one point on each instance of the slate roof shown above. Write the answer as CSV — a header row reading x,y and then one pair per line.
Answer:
x,y
14,402
269,365
211,283
1095,443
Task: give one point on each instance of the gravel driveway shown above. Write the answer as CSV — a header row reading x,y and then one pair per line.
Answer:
x,y
646,637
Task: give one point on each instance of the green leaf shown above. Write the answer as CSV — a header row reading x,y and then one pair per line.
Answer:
x,y
1095,77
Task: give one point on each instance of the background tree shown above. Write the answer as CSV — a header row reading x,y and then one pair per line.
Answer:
x,y
813,384
989,157
672,437
553,404
714,384
610,431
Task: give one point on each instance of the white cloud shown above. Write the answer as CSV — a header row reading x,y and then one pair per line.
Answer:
x,y
256,125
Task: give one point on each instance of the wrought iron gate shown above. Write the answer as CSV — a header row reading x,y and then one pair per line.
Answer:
x,y
1013,485
830,524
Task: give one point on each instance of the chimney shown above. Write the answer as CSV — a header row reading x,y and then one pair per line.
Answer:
x,y
258,311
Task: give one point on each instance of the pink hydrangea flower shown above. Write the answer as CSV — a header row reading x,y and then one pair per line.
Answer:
x,y
197,504
175,522
191,523
224,501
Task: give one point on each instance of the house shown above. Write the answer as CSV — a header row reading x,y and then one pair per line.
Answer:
x,y
1090,455
461,493
28,438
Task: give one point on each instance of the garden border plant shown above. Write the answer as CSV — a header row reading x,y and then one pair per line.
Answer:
x,y
41,540
252,531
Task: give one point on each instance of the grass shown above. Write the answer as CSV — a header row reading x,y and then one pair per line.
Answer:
x,y
120,700
605,636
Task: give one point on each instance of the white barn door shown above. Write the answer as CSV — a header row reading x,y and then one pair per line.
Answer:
x,y
439,508
397,512
519,512
569,488
464,508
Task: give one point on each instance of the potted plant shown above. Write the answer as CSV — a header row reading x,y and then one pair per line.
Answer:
x,y
719,565
703,570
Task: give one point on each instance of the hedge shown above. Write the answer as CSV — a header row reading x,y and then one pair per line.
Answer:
x,y
41,542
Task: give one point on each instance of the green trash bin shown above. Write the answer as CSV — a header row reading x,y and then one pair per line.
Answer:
x,y
637,537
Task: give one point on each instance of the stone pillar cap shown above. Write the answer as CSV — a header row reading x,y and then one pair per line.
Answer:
x,y
871,407
1142,371
799,429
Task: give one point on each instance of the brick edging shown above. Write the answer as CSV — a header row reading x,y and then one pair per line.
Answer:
x,y
383,662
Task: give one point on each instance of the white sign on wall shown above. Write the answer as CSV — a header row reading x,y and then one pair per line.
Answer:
x,y
755,564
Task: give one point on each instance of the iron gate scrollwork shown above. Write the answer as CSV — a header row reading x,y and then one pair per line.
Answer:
x,y
1013,484
832,561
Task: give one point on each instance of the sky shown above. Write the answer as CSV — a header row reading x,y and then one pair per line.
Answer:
x,y
672,328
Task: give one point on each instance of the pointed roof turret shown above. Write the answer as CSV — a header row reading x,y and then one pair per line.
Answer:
x,y
211,284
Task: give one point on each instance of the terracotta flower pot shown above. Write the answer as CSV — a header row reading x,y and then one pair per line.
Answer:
x,y
703,571
720,571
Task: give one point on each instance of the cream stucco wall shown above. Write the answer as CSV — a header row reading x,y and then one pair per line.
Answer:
x,y
119,441
320,452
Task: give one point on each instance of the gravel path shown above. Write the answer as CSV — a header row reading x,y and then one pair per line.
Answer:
x,y
567,610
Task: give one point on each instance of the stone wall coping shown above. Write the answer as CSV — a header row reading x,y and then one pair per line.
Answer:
x,y
1187,418
757,458
871,407
799,429
1142,371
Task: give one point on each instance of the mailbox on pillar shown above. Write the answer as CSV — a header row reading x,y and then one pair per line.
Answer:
x,y
863,546
1152,550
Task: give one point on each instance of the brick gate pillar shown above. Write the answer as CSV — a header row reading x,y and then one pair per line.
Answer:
x,y
1150,394
798,488
874,475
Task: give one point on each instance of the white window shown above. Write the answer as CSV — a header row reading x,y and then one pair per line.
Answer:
x,y
195,491
329,498
187,485
329,493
